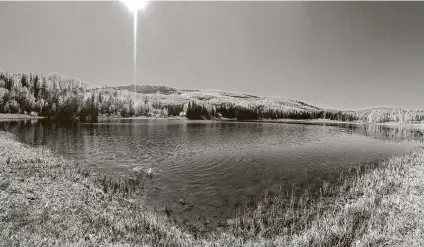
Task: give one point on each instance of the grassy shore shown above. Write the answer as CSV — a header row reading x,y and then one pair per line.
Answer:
x,y
47,200
17,116
141,117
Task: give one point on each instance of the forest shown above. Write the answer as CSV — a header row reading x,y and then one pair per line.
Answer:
x,y
231,111
64,99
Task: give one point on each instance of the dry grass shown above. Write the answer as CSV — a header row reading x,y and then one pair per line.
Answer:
x,y
377,206
46,200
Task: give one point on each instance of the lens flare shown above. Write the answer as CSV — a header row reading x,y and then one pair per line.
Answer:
x,y
134,7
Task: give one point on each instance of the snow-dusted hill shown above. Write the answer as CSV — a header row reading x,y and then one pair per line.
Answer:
x,y
168,95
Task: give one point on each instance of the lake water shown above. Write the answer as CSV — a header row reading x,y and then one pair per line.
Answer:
x,y
217,166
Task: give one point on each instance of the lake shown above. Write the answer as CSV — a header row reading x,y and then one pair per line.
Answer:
x,y
216,167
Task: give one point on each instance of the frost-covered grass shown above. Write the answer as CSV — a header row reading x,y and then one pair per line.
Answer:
x,y
375,206
47,200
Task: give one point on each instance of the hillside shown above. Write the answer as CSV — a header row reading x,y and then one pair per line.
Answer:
x,y
64,98
168,95
147,89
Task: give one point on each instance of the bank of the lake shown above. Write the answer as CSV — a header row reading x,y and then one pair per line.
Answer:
x,y
101,117
9,116
48,200
334,122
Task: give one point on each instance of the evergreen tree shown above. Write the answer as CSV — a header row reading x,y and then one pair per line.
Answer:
x,y
24,81
36,87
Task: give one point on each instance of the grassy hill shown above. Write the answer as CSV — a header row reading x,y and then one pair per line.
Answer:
x,y
171,95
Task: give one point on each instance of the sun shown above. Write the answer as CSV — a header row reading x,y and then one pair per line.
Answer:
x,y
135,5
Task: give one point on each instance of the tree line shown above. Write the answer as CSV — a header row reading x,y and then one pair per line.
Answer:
x,y
65,99
231,111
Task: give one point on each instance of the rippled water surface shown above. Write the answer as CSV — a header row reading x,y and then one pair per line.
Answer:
x,y
215,166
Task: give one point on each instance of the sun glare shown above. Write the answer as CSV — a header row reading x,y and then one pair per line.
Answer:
x,y
135,5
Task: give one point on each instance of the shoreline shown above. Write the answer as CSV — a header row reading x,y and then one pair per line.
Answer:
x,y
142,117
334,122
12,116
49,200
9,116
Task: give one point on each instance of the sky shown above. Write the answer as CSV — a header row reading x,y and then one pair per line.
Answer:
x,y
343,55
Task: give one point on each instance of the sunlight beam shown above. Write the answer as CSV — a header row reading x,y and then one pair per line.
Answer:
x,y
135,15
134,7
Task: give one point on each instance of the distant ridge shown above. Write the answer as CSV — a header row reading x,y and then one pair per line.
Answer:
x,y
215,97
147,89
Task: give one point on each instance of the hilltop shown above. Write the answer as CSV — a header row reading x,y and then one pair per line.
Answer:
x,y
172,95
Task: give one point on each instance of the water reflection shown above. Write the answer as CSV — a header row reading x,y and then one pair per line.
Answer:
x,y
392,133
389,132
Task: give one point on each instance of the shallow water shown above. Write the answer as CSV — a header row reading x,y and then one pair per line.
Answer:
x,y
217,166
